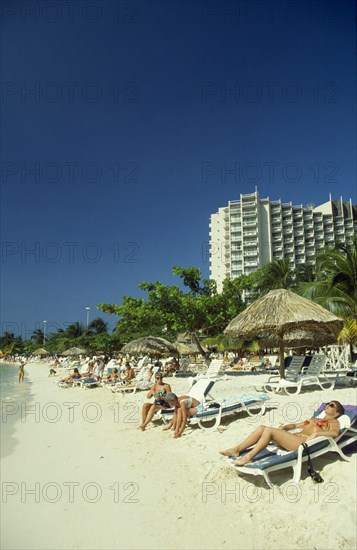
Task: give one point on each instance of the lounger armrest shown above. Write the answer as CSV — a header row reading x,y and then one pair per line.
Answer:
x,y
273,378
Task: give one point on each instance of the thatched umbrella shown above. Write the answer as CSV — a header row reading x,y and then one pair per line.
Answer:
x,y
187,349
282,314
74,351
41,351
299,339
151,345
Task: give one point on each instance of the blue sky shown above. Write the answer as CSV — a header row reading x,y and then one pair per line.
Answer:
x,y
126,124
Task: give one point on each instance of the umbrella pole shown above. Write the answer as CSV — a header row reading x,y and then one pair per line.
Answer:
x,y
281,362
281,355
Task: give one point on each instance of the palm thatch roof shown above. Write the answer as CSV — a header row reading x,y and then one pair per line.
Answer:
x,y
151,345
74,351
299,339
185,348
41,351
282,316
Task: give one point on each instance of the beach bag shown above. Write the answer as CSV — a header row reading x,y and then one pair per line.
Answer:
x,y
315,476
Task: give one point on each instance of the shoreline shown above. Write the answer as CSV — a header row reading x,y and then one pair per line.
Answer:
x,y
19,393
93,480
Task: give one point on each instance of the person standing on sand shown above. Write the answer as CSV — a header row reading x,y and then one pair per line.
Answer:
x,y
21,372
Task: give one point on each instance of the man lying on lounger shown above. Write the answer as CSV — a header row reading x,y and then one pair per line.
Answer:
x,y
309,429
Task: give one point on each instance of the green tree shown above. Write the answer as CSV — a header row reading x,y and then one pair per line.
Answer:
x,y
305,273
276,274
97,326
11,344
74,330
335,287
37,336
6,339
169,310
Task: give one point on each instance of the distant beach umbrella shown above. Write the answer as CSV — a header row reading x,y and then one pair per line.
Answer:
x,y
150,345
187,349
74,351
41,351
285,318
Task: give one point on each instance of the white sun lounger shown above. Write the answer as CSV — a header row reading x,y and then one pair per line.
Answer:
x,y
210,411
213,370
272,459
295,381
138,383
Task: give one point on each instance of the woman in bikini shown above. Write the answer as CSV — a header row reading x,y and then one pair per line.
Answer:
x,y
21,372
159,392
185,406
74,376
309,429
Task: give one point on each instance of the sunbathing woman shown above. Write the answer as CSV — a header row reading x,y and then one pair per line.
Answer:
x,y
185,406
159,391
113,376
74,376
309,429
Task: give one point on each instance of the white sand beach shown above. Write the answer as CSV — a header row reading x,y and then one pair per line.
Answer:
x,y
80,475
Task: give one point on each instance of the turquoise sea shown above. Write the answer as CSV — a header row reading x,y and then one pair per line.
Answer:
x,y
12,395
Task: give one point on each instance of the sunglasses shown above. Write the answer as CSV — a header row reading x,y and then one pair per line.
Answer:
x,y
333,405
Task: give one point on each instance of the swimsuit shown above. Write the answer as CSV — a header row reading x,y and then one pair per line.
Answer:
x,y
159,399
188,402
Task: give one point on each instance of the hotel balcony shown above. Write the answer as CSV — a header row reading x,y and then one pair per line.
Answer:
x,y
247,203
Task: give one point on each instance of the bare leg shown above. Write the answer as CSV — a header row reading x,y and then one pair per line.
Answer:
x,y
247,442
288,441
178,423
150,415
173,422
144,412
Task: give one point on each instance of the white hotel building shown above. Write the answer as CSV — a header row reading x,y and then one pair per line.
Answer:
x,y
251,232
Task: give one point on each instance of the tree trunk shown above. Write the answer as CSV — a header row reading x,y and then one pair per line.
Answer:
x,y
197,342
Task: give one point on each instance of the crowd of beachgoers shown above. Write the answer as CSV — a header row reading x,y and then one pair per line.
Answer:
x,y
124,442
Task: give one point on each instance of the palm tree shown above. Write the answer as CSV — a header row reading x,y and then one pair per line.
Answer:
x,y
349,332
7,338
277,274
74,330
37,336
305,273
336,285
97,326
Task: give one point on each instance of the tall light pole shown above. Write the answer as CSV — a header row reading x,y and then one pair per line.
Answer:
x,y
87,310
44,331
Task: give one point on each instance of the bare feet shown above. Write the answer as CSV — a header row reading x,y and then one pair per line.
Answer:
x,y
230,452
141,427
242,461
168,427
